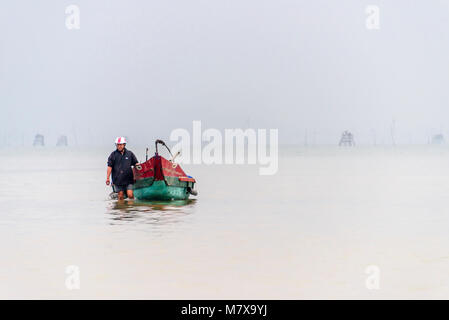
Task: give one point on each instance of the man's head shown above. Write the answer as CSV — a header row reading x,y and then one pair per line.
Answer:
x,y
120,143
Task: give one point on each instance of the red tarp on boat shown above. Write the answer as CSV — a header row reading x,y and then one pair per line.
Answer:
x,y
158,167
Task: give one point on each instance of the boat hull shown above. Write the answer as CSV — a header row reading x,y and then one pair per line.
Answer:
x,y
160,179
159,190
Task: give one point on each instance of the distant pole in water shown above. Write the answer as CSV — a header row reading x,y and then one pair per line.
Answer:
x,y
89,135
392,132
74,135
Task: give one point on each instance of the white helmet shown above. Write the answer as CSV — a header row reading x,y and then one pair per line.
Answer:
x,y
120,140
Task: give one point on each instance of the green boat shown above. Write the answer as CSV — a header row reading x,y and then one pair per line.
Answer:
x,y
162,179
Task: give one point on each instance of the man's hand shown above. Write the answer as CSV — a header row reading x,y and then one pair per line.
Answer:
x,y
107,181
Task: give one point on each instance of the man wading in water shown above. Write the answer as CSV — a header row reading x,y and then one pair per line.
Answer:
x,y
119,163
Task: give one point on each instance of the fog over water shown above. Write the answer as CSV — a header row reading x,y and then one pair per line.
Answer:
x,y
144,68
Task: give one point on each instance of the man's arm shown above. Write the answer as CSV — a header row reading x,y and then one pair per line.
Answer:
x,y
134,160
133,163
108,174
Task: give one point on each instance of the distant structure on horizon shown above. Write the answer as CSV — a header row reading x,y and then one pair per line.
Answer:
x,y
347,139
438,139
62,141
38,140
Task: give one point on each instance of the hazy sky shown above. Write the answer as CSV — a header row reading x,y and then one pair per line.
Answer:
x,y
143,68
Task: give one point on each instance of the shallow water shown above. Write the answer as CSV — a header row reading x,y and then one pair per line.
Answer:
x,y
310,231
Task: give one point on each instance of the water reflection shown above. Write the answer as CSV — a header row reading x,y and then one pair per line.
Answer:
x,y
150,212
